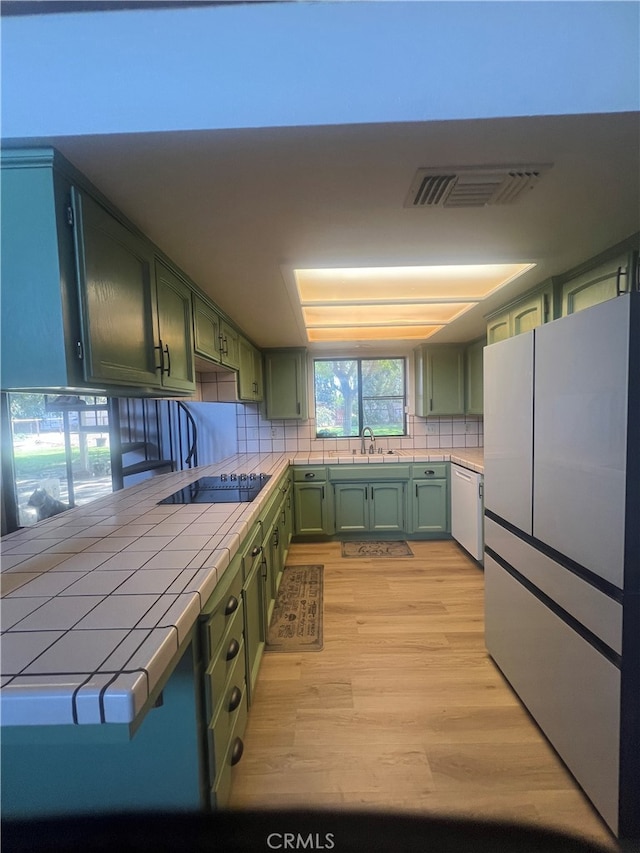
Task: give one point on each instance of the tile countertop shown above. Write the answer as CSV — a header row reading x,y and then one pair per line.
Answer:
x,y
97,601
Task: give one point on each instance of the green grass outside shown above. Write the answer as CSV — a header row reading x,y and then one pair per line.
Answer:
x,y
32,462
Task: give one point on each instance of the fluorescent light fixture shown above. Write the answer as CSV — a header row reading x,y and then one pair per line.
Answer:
x,y
394,303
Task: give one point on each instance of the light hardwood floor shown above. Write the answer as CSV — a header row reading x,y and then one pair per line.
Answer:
x,y
403,709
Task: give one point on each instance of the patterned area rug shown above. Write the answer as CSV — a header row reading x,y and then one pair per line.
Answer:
x,y
296,624
376,549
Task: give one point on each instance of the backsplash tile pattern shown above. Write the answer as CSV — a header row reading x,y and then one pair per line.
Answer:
x,y
256,434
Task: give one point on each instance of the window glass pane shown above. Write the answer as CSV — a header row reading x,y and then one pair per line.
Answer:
x,y
61,452
336,385
343,406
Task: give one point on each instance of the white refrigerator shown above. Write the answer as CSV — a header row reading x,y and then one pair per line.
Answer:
x,y
562,541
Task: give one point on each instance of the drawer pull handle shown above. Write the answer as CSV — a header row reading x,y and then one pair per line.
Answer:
x,y
232,606
429,471
235,699
234,648
309,475
236,751
256,550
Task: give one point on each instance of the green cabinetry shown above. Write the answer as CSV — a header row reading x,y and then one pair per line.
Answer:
x,y
430,498
439,379
229,345
174,338
250,373
369,507
223,620
286,384
599,282
313,503
527,313
473,376
207,336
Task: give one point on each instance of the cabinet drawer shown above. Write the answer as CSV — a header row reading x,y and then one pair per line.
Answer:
x,y
308,473
429,470
221,788
223,662
230,706
220,610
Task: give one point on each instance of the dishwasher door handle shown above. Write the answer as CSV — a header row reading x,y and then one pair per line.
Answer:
x,y
462,475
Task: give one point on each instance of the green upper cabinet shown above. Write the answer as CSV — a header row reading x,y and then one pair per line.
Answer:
x,y
87,306
116,279
250,374
473,375
603,281
286,384
532,310
41,339
229,345
175,345
439,379
206,330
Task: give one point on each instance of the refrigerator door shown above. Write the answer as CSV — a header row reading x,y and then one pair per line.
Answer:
x,y
580,449
508,429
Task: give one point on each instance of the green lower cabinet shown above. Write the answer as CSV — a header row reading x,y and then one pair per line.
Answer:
x,y
312,509
431,506
369,507
254,597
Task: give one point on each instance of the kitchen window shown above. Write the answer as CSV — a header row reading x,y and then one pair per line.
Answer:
x,y
351,393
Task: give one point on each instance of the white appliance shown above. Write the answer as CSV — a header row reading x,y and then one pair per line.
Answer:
x,y
562,541
467,510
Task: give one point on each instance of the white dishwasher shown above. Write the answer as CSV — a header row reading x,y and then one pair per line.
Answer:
x,y
467,510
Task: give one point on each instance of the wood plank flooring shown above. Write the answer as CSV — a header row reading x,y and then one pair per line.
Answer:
x,y
403,709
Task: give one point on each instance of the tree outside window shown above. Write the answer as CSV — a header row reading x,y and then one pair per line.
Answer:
x,y
351,393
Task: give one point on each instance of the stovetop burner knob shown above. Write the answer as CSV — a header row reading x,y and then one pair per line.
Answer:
x,y
234,476
243,476
223,478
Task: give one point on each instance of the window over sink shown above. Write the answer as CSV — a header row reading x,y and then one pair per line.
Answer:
x,y
351,393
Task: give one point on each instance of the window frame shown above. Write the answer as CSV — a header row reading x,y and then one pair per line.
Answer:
x,y
360,398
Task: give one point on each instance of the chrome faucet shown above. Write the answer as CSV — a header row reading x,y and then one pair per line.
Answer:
x,y
371,436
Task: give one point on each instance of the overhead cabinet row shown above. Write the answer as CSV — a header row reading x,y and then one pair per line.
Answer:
x,y
90,304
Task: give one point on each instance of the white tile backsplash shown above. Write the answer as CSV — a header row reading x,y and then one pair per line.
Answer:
x,y
255,433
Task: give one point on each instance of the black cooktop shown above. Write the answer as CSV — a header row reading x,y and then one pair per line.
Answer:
x,y
222,489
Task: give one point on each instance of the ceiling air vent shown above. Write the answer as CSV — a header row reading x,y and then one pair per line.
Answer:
x,y
471,186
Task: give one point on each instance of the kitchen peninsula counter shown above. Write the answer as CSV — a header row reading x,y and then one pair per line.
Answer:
x,y
98,601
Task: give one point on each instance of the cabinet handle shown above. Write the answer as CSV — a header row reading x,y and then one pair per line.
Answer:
x,y
233,649
256,550
235,699
429,472
160,366
236,751
166,349
309,475
276,537
232,606
619,274
416,490
298,408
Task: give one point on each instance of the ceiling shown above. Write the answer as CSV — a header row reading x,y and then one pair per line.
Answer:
x,y
238,209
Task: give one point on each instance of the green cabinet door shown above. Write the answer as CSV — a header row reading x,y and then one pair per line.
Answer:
x,y
499,328
255,628
474,377
439,375
250,371
206,330
369,507
351,502
387,507
430,506
604,281
312,505
115,270
229,345
175,346
286,384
